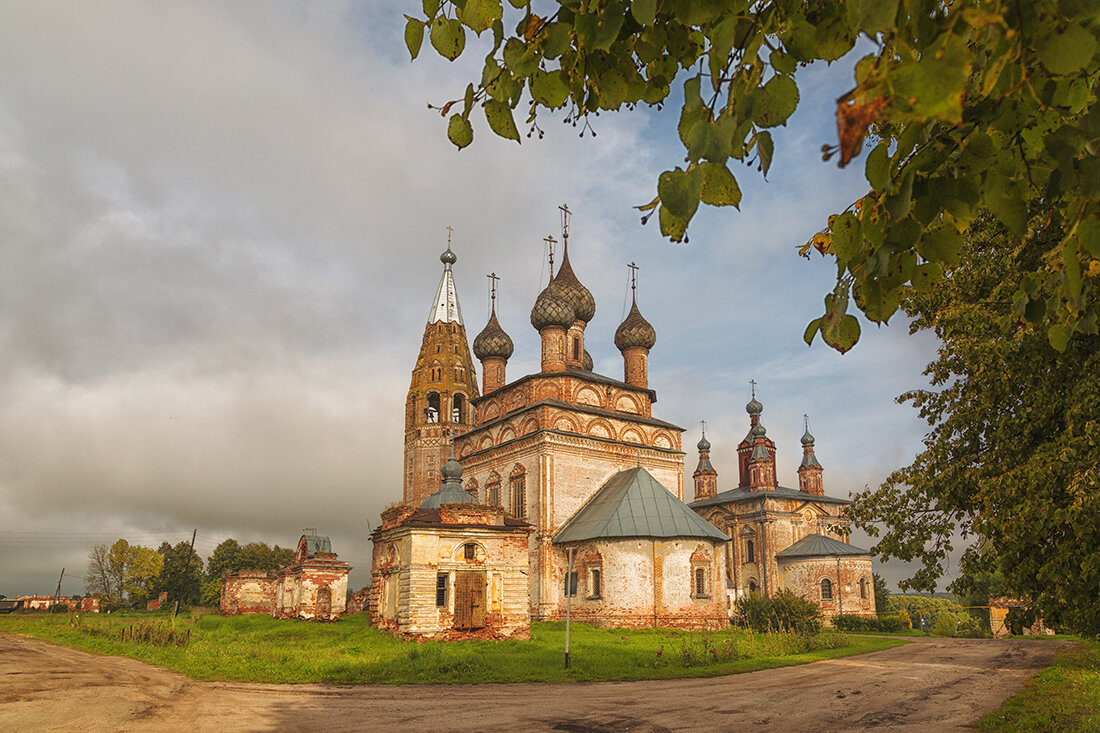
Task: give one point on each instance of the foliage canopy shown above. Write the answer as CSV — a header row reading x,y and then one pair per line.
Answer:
x,y
970,104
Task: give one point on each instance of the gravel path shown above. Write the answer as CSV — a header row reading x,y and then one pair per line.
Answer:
x,y
930,685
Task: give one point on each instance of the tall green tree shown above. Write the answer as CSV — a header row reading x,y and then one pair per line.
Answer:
x,y
230,556
1013,454
181,564
970,104
123,572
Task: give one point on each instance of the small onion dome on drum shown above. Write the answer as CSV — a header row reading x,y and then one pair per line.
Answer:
x,y
552,310
570,288
448,257
704,444
634,332
754,407
492,341
807,439
587,361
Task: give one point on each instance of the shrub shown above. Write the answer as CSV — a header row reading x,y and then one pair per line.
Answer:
x,y
59,608
784,611
153,633
891,623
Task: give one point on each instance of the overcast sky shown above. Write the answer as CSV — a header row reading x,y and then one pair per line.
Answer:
x,y
220,226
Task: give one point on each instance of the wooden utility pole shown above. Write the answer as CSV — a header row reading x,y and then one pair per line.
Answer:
x,y
568,603
57,595
183,575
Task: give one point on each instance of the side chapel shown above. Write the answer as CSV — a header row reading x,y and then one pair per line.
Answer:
x,y
573,490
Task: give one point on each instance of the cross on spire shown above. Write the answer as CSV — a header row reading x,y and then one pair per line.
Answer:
x,y
703,426
633,278
806,422
753,383
450,229
493,290
550,242
564,208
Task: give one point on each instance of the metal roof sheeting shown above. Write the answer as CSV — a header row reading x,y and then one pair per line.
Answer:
x,y
780,492
634,504
817,545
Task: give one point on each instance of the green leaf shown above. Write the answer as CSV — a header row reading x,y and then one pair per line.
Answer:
x,y
414,36
719,186
679,192
499,116
459,131
841,333
1068,51
448,38
480,14
644,11
774,102
549,88
555,39
782,62
878,166
941,244
1088,236
877,16
468,101
812,329
847,238
1058,336
935,85
612,89
672,226
765,148
599,30
1072,267
897,203
431,7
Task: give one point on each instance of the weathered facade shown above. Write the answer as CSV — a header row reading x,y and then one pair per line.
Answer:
x,y
314,587
781,537
450,566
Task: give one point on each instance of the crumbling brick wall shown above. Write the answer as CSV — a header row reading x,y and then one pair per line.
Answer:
x,y
248,591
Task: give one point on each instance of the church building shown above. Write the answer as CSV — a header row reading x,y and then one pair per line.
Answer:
x,y
573,465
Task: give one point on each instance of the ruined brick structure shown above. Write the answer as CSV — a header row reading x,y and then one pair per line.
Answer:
x,y
314,587
782,537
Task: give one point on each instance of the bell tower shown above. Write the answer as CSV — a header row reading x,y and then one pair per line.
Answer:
x,y
443,384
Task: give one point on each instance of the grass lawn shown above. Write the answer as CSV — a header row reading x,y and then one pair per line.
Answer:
x,y
1063,697
350,651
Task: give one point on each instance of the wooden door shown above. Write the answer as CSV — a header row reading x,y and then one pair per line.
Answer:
x,y
469,600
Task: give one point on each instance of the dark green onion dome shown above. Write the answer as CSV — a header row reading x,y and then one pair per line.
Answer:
x,y
451,492
704,444
587,361
758,430
552,310
493,341
570,288
448,257
760,451
634,332
754,407
807,439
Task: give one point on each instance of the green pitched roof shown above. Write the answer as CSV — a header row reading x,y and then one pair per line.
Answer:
x,y
817,545
634,504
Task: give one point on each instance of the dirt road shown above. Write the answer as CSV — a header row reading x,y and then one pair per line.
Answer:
x,y
931,685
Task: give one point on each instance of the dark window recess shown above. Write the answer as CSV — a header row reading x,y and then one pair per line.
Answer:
x,y
750,554
471,551
752,586
826,590
441,589
595,589
519,498
431,412
700,582
576,349
863,587
571,584
494,495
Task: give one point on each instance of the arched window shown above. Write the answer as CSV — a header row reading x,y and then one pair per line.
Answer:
x,y
700,582
752,586
750,551
595,582
472,486
492,489
458,408
518,484
431,412
470,551
576,349
826,589
863,587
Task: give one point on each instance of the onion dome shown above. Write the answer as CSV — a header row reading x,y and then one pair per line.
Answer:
x,y
492,341
552,310
448,258
760,452
570,288
634,331
758,430
704,444
587,361
807,439
754,407
451,492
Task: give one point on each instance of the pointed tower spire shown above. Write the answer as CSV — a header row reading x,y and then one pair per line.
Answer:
x,y
445,308
810,470
634,338
747,448
577,295
492,346
706,478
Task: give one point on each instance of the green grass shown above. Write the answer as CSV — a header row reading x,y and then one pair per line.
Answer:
x,y
1063,697
263,649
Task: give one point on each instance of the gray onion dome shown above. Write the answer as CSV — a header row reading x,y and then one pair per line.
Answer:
x,y
704,444
587,361
757,430
451,492
493,341
552,310
570,288
807,439
754,407
448,257
634,331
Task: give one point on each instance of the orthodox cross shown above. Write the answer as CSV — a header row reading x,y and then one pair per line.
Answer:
x,y
550,242
493,290
564,208
449,230
703,426
753,383
806,421
633,277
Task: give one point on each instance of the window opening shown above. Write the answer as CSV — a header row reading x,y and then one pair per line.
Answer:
x,y
471,551
594,583
519,497
752,586
750,552
863,587
458,406
441,589
700,582
576,349
431,412
826,590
